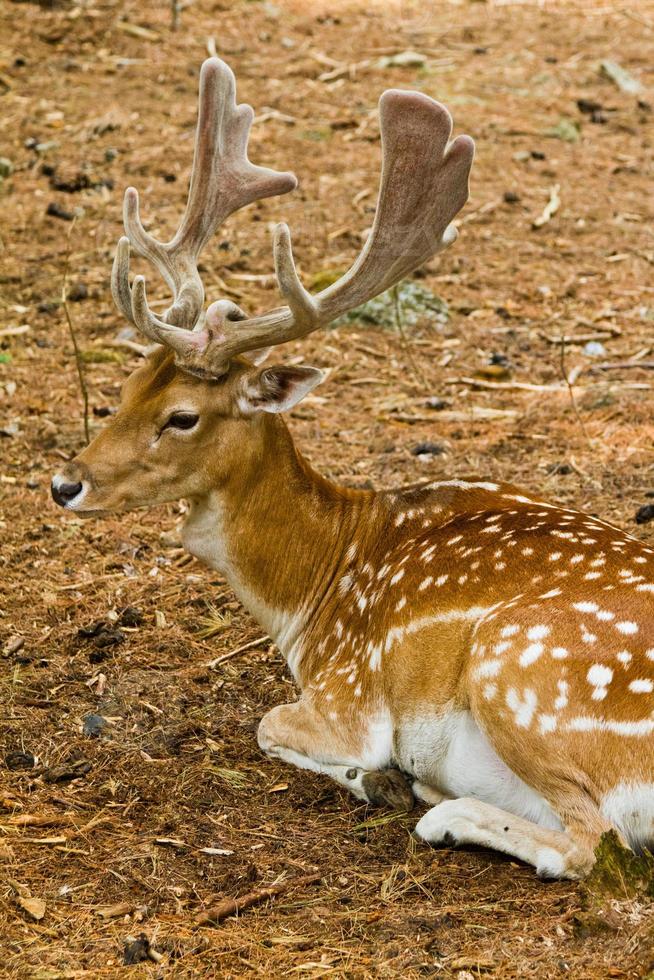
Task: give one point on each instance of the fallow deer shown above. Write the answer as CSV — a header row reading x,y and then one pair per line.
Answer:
x,y
496,649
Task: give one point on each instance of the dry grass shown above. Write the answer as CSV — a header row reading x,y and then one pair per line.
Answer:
x,y
132,845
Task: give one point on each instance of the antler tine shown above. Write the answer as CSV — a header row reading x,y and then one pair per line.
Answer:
x,y
301,303
120,289
222,181
424,184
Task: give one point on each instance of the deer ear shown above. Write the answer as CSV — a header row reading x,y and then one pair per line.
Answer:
x,y
277,388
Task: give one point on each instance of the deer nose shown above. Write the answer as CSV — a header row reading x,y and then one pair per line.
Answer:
x,y
64,493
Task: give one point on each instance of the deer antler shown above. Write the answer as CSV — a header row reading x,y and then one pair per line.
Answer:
x,y
424,184
222,181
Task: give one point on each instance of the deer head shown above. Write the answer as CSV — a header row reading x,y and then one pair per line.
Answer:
x,y
202,402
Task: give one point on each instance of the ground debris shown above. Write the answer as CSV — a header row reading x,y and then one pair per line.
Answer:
x,y
232,906
620,77
35,907
409,301
67,771
139,949
20,760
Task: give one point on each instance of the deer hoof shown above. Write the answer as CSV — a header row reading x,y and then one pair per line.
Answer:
x,y
388,788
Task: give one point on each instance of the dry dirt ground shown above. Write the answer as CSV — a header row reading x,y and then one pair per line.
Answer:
x,y
170,808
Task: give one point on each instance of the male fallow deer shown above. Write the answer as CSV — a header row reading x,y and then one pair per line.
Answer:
x,y
496,649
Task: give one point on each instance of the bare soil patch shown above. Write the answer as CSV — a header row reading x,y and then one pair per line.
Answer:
x,y
138,822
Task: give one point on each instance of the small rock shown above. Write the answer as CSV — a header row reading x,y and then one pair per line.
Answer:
x,y
102,633
56,211
19,760
131,616
594,349
93,725
404,59
645,514
110,154
35,907
136,950
436,404
510,197
77,292
47,306
13,645
596,112
67,771
6,168
620,77
427,449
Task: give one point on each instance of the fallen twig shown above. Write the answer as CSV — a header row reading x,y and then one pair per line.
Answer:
x,y
582,338
503,385
618,365
15,331
550,208
573,401
232,653
476,413
233,906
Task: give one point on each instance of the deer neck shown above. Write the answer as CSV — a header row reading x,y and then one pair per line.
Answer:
x,y
279,533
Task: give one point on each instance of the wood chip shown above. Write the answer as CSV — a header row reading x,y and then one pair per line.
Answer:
x,y
178,845
550,208
115,911
35,907
135,30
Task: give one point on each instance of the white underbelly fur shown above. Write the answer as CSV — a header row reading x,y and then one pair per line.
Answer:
x,y
451,754
630,808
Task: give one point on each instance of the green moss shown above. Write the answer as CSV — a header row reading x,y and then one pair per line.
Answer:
x,y
619,872
100,355
413,303
325,278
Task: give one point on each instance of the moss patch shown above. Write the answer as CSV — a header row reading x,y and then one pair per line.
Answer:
x,y
619,872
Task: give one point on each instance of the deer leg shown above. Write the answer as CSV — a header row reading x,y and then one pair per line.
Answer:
x,y
554,853
299,734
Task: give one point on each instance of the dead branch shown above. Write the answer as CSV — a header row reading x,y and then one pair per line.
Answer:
x,y
232,653
233,906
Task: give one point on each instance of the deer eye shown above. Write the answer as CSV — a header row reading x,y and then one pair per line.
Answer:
x,y
181,420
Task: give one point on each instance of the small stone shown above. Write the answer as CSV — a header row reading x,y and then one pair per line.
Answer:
x,y
67,771
55,210
131,616
645,514
510,197
427,449
136,951
404,59
13,645
93,725
6,168
78,292
19,760
35,907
